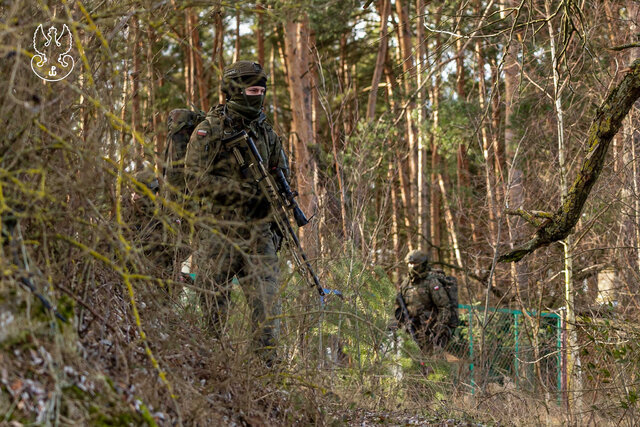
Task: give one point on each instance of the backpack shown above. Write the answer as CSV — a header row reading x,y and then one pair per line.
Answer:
x,y
450,284
181,123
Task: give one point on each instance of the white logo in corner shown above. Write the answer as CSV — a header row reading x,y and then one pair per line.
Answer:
x,y
52,61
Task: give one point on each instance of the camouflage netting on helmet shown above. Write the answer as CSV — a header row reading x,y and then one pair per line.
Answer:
x,y
417,257
241,75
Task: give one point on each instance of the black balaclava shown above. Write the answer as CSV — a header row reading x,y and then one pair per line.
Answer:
x,y
248,106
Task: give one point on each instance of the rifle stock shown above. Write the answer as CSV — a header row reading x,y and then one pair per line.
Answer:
x,y
280,198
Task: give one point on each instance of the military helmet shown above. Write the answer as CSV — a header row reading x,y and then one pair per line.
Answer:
x,y
416,257
241,75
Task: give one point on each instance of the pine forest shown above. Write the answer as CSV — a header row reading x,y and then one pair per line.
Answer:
x,y
467,170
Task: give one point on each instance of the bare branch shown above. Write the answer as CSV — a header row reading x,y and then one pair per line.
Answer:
x,y
603,128
624,46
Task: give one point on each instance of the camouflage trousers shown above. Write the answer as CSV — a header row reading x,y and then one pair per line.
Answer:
x,y
247,252
430,337
164,250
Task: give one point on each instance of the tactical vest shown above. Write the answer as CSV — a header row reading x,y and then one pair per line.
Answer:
x,y
450,284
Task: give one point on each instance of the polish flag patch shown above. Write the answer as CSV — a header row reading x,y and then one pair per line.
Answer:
x,y
201,132
435,288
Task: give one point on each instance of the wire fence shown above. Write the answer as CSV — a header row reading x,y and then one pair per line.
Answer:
x,y
504,346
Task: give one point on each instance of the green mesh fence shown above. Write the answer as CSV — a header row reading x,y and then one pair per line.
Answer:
x,y
524,349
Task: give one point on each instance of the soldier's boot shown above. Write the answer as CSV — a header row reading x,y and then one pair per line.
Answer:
x,y
264,346
214,309
441,336
264,316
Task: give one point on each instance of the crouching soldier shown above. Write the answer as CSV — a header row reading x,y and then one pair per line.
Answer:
x,y
427,303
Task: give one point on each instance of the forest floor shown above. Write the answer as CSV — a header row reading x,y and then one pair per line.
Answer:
x,y
101,374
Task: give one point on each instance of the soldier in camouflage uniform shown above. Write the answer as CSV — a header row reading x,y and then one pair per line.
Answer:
x,y
149,230
236,239
427,302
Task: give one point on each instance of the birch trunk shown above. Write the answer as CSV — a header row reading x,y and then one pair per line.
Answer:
x,y
572,357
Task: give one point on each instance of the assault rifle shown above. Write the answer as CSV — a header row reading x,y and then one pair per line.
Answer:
x,y
279,195
405,313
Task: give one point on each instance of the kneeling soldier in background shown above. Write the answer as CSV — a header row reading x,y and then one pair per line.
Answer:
x,y
424,304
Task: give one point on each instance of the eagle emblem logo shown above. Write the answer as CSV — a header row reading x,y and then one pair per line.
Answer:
x,y
52,61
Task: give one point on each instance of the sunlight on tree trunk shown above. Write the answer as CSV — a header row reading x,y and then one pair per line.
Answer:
x,y
300,87
380,59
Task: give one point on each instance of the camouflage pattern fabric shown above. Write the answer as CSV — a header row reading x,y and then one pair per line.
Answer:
x,y
242,243
180,125
150,233
428,305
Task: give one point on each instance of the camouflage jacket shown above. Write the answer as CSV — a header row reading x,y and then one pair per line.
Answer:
x,y
212,173
426,299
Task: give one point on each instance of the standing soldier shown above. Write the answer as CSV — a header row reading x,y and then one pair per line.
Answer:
x,y
149,230
234,236
424,306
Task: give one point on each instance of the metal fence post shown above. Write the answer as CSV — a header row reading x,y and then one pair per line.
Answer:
x,y
561,366
473,383
517,336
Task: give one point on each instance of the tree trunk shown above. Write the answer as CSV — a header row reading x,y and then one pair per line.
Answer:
x,y
395,212
400,158
434,214
189,68
279,30
273,89
450,223
135,95
572,357
463,175
260,33
436,200
380,59
394,170
236,50
422,200
486,151
410,184
300,87
158,131
514,191
611,33
217,53
633,227
198,71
